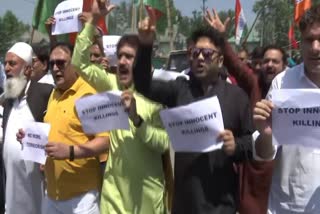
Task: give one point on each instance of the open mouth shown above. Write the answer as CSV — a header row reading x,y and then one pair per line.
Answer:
x,y
123,72
8,76
315,58
200,67
58,76
270,72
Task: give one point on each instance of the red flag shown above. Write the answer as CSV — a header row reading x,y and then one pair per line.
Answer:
x,y
155,7
101,22
291,37
300,7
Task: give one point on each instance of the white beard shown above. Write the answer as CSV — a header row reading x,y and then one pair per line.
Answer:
x,y
15,85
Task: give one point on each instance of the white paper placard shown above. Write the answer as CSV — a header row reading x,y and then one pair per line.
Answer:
x,y
102,112
66,16
194,127
110,48
34,142
296,117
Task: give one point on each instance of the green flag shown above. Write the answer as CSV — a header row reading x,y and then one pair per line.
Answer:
x,y
155,6
43,10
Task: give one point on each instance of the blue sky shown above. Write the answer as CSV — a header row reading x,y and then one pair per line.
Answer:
x,y
23,9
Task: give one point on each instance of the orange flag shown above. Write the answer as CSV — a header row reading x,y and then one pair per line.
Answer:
x,y
300,6
292,39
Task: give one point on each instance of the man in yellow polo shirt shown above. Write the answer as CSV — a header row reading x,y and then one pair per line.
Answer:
x,y
73,173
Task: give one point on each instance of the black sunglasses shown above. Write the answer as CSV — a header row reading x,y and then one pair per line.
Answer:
x,y
96,55
207,53
60,63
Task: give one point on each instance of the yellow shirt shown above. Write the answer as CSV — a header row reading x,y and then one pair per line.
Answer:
x,y
67,179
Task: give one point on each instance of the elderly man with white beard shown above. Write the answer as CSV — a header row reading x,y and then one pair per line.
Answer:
x,y
25,101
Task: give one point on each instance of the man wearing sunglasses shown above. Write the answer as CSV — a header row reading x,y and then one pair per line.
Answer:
x,y
204,182
25,101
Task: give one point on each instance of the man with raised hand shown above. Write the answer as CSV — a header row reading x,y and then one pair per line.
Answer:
x,y
204,182
134,180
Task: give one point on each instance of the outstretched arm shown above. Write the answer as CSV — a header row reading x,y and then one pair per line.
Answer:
x,y
245,77
156,90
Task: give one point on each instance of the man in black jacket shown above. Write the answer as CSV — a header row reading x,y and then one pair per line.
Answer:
x,y
204,182
25,101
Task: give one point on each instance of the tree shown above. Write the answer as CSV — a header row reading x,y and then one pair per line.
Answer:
x,y
274,21
188,24
231,27
11,29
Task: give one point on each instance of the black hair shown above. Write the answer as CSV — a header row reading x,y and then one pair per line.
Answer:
x,y
41,52
257,53
128,39
212,34
278,48
310,17
64,46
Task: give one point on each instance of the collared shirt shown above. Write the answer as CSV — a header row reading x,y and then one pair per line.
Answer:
x,y
24,181
134,178
47,78
67,179
295,184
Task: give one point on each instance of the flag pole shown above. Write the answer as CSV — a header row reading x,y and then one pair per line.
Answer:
x,y
254,22
31,36
141,11
251,28
170,29
133,17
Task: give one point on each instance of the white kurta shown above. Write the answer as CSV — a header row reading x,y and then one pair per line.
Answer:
x,y
24,181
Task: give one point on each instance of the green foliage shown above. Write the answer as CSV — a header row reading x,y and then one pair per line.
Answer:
x,y
274,21
231,27
188,24
11,29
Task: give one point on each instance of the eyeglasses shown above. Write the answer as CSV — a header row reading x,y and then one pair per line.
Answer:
x,y
207,53
96,55
60,63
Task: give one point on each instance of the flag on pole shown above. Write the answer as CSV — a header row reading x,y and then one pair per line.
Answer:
x,y
155,6
300,7
101,22
291,37
43,10
240,21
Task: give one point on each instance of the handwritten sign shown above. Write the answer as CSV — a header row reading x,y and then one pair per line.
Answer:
x,y
296,117
110,48
34,142
66,16
102,112
194,127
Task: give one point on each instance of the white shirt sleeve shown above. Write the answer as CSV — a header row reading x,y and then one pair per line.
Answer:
x,y
256,157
